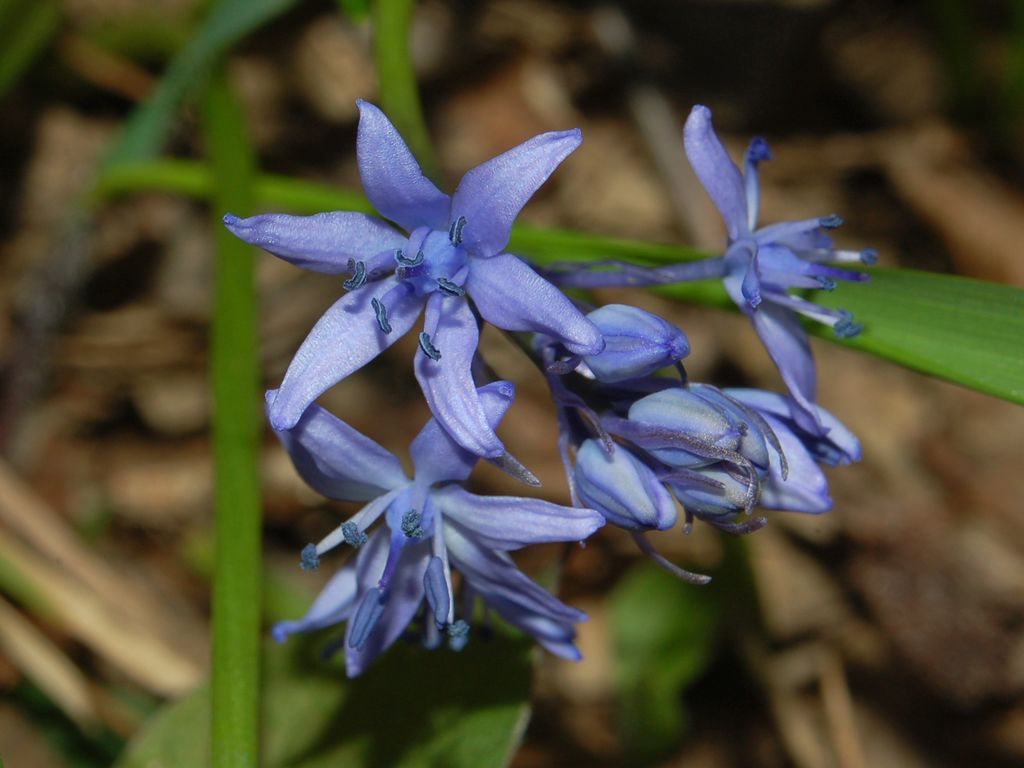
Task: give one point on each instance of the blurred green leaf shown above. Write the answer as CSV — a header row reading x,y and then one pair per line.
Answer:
x,y
966,331
664,633
227,22
413,709
399,96
356,10
26,28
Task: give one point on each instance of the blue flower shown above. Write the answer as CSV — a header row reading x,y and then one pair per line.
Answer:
x,y
762,264
432,525
453,249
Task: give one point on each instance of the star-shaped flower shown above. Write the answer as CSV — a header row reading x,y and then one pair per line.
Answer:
x,y
432,524
762,264
452,251
759,268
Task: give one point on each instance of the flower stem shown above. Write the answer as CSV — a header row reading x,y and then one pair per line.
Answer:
x,y
236,424
392,20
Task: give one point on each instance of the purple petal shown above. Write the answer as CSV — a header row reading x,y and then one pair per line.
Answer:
x,y
513,595
491,195
391,176
838,446
403,598
805,489
510,295
343,340
447,382
336,460
436,455
323,242
790,349
332,606
506,522
717,172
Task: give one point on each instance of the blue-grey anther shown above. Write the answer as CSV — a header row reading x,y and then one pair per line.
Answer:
x,y
869,256
827,283
758,151
406,262
832,221
429,349
846,328
455,231
310,559
353,536
412,524
458,635
358,278
449,287
382,315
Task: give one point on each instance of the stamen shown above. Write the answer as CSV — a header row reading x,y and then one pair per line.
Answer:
x,y
435,587
455,231
869,256
826,283
412,524
449,287
353,536
358,269
310,558
846,328
429,349
367,615
458,635
832,221
401,259
382,315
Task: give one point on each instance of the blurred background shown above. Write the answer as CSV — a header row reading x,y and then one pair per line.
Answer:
x,y
887,633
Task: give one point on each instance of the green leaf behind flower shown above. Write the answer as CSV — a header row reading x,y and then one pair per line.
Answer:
x,y
413,709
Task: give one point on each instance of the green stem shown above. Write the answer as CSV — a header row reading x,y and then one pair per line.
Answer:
x,y
399,97
236,425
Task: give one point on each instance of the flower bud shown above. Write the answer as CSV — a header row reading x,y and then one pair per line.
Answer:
x,y
622,488
637,343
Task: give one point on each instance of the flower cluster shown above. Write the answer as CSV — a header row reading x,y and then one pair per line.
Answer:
x,y
638,447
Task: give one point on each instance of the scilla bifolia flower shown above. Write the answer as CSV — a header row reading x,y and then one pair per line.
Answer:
x,y
431,525
760,265
452,250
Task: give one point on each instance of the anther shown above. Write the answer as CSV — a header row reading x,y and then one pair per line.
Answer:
x,y
310,559
353,536
869,256
458,635
358,278
401,259
827,283
429,349
758,150
382,315
846,328
412,524
449,287
455,231
832,221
